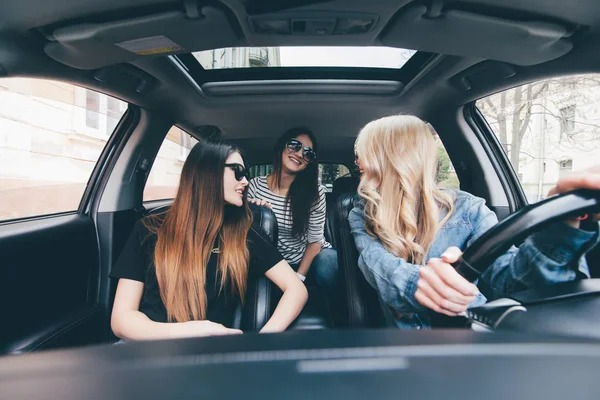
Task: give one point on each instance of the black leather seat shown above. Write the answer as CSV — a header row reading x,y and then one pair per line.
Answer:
x,y
343,185
263,296
363,305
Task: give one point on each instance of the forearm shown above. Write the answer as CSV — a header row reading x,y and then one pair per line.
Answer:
x,y
550,256
288,308
309,255
133,325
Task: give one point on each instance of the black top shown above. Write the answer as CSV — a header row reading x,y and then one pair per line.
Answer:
x,y
136,262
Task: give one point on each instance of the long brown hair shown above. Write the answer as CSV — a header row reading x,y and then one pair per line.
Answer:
x,y
304,190
198,220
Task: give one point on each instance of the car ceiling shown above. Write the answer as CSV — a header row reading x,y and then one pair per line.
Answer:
x,y
462,72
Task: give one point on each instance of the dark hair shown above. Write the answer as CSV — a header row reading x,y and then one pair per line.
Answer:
x,y
196,221
304,190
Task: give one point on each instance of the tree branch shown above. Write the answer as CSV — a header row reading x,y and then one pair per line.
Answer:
x,y
492,106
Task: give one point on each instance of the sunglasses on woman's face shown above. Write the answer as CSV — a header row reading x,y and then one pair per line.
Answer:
x,y
239,170
308,154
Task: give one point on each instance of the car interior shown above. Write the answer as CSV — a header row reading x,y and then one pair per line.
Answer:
x,y
56,287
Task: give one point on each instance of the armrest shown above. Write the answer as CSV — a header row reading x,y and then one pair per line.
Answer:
x,y
77,329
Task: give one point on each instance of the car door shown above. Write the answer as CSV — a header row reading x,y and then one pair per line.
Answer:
x,y
54,139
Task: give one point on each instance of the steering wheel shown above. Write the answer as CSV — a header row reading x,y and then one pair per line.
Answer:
x,y
514,229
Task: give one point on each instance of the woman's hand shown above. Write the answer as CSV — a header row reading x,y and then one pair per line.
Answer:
x,y
200,328
585,179
441,288
260,202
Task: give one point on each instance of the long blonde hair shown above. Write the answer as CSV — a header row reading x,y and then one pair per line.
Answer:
x,y
398,157
194,223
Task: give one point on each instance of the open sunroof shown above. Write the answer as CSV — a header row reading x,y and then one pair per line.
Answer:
x,y
305,56
307,62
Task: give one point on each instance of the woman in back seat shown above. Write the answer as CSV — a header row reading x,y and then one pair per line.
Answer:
x,y
293,193
185,272
408,232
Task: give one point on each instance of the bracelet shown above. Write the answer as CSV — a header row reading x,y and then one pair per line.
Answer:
x,y
302,277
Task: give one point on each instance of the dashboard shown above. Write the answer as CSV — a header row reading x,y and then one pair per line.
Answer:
x,y
328,364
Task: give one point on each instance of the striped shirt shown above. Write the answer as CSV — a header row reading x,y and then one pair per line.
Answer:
x,y
291,247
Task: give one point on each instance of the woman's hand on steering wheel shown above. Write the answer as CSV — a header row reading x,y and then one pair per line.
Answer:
x,y
441,288
585,179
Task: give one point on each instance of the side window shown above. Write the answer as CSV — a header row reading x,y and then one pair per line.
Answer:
x,y
547,128
446,175
329,173
164,176
51,136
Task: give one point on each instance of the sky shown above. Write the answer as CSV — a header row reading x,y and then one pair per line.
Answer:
x,y
382,57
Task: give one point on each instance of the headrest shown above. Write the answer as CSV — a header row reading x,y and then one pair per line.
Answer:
x,y
346,184
265,217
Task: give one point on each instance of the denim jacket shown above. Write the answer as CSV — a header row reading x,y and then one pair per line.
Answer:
x,y
545,257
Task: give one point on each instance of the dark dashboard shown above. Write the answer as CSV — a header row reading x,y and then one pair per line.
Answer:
x,y
449,364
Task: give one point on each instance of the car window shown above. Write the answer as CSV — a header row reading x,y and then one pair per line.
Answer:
x,y
51,136
164,176
327,173
547,128
260,170
446,174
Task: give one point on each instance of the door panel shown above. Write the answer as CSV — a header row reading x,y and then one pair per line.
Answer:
x,y
47,272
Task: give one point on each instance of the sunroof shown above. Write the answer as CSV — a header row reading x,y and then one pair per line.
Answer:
x,y
312,56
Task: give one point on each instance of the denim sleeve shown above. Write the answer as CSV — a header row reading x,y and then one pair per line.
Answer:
x,y
549,256
394,278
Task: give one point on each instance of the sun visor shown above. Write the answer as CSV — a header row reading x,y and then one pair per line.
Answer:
x,y
95,45
470,34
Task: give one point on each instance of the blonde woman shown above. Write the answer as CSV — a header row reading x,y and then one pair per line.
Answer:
x,y
408,231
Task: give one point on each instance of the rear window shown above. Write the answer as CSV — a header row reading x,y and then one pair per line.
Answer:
x,y
327,173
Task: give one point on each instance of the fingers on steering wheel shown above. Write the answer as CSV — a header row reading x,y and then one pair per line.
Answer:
x,y
452,254
450,277
427,302
442,288
442,304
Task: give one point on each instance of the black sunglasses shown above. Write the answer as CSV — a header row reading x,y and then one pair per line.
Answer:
x,y
239,171
308,154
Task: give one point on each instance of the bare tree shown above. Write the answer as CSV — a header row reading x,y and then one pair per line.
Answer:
x,y
515,104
